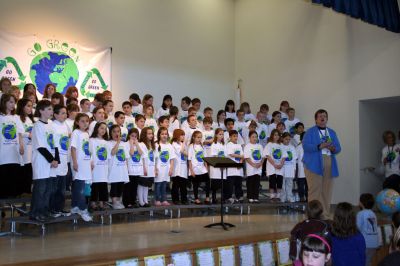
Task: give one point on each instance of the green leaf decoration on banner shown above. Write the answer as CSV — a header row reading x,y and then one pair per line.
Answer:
x,y
11,60
97,72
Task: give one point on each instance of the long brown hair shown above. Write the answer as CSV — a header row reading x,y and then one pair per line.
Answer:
x,y
143,138
70,90
3,103
20,110
159,135
344,221
216,133
46,90
77,118
194,135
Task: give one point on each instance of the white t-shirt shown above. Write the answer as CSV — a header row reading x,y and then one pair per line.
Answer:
x,y
239,126
200,116
196,157
80,141
124,133
183,116
135,163
189,132
180,164
393,160
28,126
220,125
232,148
110,120
160,112
248,117
276,152
289,124
10,127
137,110
263,133
207,135
271,127
254,153
295,140
151,123
42,137
101,155
324,135
284,116
148,160
118,166
163,159
289,167
129,122
217,150
173,124
300,165
62,142
231,115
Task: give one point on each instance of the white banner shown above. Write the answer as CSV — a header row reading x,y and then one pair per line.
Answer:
x,y
40,60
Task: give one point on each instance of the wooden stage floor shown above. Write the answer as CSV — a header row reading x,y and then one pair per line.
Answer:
x,y
63,242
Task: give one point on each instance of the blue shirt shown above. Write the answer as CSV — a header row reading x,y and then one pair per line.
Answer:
x,y
312,158
367,224
349,251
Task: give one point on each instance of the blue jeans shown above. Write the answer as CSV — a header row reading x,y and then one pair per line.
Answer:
x,y
78,195
41,192
161,191
57,200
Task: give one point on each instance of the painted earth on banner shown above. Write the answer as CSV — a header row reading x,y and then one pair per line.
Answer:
x,y
39,60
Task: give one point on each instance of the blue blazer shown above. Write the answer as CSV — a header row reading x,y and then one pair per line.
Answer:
x,y
312,158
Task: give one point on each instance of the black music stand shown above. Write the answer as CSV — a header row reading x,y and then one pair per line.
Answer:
x,y
222,163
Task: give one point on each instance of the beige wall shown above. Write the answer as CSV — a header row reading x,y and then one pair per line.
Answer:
x,y
176,46
314,57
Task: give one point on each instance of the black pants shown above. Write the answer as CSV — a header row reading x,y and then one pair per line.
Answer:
x,y
392,182
68,181
216,185
253,186
130,191
275,181
26,179
197,179
10,179
234,184
179,186
99,191
116,189
302,188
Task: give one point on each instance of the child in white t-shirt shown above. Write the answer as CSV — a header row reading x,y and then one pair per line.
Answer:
x,y
117,167
254,161
108,106
289,168
165,155
234,151
129,121
120,121
208,136
221,116
391,154
137,107
198,167
147,146
173,119
99,162
185,104
218,150
166,104
230,125
180,174
43,159
150,121
81,165
135,169
275,161
248,116
291,121
302,187
98,116
240,124
62,143
230,110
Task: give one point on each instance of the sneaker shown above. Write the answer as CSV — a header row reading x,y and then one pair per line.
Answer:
x,y
75,210
251,200
55,214
65,213
118,206
165,203
157,203
86,216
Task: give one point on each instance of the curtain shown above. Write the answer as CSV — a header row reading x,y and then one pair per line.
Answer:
x,y
383,13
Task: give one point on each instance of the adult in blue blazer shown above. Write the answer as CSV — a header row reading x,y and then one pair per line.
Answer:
x,y
321,145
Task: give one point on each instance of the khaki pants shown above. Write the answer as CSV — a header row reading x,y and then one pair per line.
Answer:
x,y
320,187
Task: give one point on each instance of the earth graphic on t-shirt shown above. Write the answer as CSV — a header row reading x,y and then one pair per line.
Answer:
x,y
136,157
109,124
9,131
183,157
292,131
221,154
56,68
120,155
263,135
238,153
199,156
164,156
209,138
101,153
277,153
50,140
390,157
151,156
28,129
85,148
290,156
130,126
64,143
256,155
123,137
